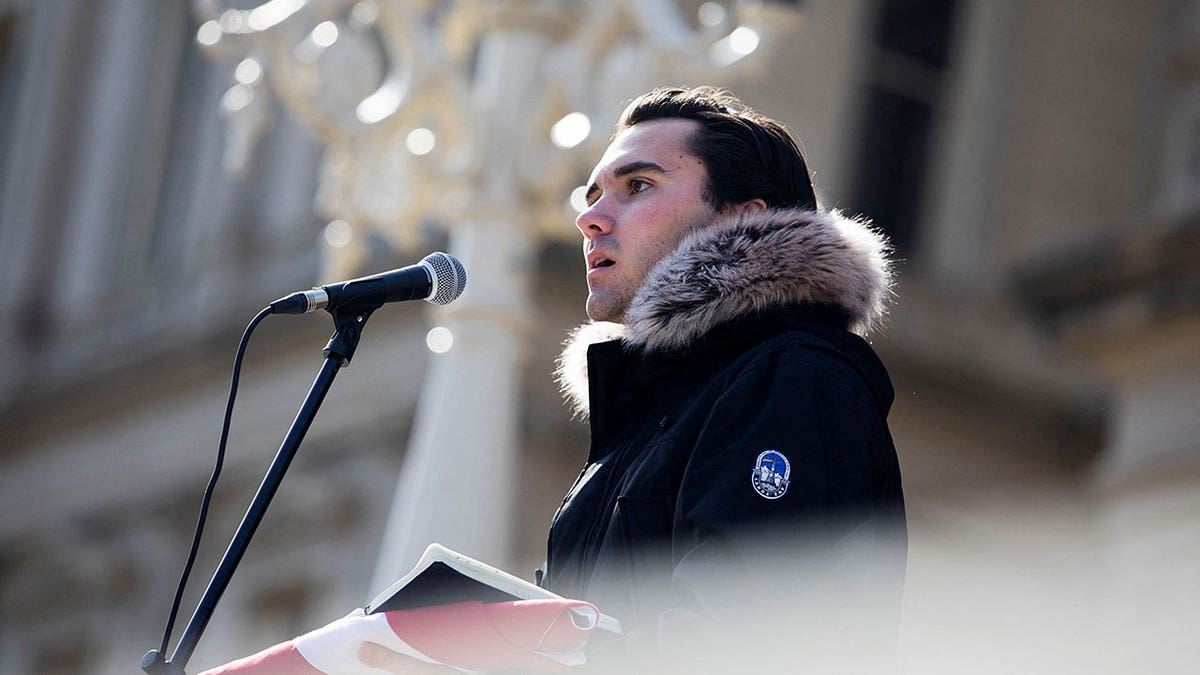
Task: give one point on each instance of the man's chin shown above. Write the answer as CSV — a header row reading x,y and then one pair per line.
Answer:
x,y
605,309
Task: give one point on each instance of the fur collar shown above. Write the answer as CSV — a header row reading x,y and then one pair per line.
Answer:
x,y
739,265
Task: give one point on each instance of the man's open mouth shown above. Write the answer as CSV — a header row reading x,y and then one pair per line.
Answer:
x,y
603,262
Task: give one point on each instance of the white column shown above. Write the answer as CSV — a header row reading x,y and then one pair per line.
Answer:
x,y
457,485
967,153
33,171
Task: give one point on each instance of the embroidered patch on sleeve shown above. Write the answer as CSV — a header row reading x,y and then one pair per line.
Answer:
x,y
772,473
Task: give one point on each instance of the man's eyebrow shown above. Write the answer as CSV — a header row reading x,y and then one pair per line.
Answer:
x,y
625,170
634,167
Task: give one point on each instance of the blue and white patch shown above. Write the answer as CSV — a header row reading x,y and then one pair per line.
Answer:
x,y
772,474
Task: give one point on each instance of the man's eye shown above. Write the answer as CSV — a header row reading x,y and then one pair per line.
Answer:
x,y
638,185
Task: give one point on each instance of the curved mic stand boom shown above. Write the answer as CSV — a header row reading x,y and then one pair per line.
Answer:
x,y
348,321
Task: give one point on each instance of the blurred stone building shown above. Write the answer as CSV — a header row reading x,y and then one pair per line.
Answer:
x,y
1037,165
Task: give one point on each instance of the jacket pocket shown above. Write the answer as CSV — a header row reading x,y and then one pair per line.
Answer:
x,y
642,522
633,568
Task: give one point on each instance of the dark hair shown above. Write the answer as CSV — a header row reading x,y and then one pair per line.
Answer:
x,y
747,155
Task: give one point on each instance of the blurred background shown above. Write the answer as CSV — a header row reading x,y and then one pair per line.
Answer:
x,y
168,167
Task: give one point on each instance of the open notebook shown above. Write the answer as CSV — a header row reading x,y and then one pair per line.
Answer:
x,y
444,577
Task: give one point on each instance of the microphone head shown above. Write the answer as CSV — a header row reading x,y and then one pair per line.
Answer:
x,y
449,278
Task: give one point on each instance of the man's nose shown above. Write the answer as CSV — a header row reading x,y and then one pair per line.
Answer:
x,y
594,220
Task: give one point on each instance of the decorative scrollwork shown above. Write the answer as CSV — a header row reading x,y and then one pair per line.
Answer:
x,y
436,110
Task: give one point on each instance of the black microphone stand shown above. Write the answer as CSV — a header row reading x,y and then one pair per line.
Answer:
x,y
348,323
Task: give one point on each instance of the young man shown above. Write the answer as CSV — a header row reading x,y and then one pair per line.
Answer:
x,y
737,418
736,414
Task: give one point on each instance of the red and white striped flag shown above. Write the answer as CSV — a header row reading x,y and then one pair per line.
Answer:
x,y
546,635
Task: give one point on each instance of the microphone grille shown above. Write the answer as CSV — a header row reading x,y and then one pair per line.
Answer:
x,y
449,278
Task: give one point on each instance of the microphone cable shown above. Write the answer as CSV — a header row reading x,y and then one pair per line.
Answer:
x,y
212,481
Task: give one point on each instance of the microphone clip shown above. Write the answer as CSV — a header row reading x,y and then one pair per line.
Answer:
x,y
348,323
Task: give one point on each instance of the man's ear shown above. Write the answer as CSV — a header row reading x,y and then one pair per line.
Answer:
x,y
756,204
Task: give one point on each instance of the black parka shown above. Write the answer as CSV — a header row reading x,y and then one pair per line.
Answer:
x,y
685,416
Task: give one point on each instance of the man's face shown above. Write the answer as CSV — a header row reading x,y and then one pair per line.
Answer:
x,y
644,194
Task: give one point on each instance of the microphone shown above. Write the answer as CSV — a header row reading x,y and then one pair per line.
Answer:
x,y
439,278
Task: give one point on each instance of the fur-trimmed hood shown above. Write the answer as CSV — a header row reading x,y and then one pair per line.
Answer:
x,y
735,267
